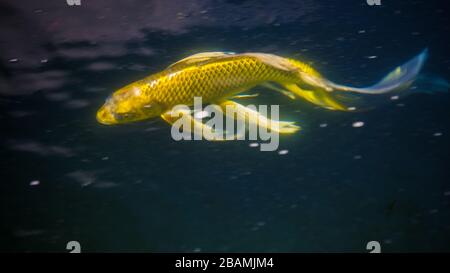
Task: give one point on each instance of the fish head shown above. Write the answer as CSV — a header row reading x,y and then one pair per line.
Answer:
x,y
127,105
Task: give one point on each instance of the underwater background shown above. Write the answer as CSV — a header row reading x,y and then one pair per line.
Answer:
x,y
332,187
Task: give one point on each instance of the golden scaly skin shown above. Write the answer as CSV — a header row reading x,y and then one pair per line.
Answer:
x,y
213,80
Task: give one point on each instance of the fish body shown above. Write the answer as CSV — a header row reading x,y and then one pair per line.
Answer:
x,y
216,77
213,79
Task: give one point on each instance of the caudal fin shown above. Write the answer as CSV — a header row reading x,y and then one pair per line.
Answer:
x,y
398,79
429,84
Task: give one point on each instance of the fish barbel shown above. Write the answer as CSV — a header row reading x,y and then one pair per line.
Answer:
x,y
218,77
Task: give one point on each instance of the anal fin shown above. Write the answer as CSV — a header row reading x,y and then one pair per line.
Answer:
x,y
318,96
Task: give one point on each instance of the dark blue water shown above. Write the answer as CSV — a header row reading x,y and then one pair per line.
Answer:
x,y
65,177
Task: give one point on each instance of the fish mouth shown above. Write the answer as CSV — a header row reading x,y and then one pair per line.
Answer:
x,y
105,117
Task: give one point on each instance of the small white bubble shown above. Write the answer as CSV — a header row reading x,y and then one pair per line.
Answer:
x,y
35,183
15,60
371,57
323,125
361,31
357,157
394,97
197,249
358,124
254,144
351,108
438,134
201,114
261,223
105,158
283,152
44,61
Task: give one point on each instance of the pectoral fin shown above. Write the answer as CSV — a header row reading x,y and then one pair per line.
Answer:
x,y
253,117
181,118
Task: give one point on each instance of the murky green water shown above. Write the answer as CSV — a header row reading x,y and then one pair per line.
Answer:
x,y
335,187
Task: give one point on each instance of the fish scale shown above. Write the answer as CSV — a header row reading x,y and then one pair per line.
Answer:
x,y
211,80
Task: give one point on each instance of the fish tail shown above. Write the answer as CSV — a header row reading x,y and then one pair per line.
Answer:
x,y
398,79
330,95
430,84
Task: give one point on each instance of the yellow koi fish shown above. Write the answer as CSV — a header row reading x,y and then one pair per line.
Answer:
x,y
217,77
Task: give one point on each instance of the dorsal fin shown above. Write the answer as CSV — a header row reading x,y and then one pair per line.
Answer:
x,y
199,57
269,59
273,60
